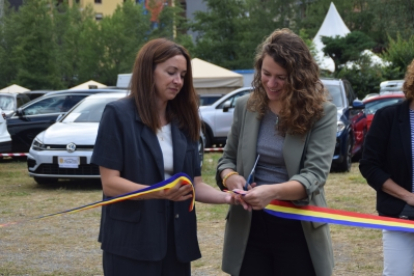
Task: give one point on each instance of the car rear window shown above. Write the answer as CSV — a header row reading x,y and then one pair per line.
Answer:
x,y
7,102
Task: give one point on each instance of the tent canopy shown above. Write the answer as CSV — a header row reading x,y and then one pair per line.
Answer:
x,y
332,26
208,75
88,85
14,88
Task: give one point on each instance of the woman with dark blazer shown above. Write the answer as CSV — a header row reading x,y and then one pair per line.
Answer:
x,y
387,165
142,140
288,120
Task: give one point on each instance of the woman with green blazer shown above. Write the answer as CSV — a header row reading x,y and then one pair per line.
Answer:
x,y
289,122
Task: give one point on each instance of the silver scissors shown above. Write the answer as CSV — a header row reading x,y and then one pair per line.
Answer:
x,y
250,178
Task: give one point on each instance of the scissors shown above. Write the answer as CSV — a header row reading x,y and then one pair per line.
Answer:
x,y
250,178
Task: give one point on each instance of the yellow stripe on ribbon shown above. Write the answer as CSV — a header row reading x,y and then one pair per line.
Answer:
x,y
180,178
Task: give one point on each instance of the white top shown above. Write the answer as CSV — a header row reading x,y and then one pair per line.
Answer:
x,y
165,140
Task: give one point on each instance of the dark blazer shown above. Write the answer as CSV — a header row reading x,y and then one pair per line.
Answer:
x,y
138,228
387,154
239,155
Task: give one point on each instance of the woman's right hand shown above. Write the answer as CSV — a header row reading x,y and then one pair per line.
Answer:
x,y
179,192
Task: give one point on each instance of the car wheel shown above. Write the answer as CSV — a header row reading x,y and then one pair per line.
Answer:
x,y
45,180
208,136
345,165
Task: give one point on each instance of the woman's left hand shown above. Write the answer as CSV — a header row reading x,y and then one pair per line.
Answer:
x,y
259,197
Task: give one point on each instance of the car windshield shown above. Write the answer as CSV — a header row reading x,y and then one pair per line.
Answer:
x,y
7,102
88,111
335,94
372,107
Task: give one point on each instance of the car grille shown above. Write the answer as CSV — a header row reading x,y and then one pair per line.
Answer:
x,y
60,147
86,169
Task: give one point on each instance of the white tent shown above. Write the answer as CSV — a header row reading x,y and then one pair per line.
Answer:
x,y
14,88
332,26
210,78
207,78
88,85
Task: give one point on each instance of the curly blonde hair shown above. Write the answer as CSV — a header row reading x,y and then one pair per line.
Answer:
x,y
302,102
408,86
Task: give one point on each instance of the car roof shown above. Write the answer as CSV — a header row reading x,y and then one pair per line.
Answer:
x,y
384,96
108,95
90,91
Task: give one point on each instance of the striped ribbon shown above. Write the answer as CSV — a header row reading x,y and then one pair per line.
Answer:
x,y
181,178
325,215
285,209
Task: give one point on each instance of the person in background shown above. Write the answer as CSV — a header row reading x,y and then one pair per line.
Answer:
x,y
288,120
144,139
387,165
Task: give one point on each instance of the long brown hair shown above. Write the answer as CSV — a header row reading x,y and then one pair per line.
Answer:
x,y
408,86
183,108
302,102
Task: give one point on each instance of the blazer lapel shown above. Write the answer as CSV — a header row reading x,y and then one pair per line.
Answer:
x,y
293,147
405,131
249,141
179,148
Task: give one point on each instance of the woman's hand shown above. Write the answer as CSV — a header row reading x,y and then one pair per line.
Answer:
x,y
235,181
237,199
179,192
259,197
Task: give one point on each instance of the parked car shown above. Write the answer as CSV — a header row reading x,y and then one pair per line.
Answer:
x,y
374,103
351,124
391,86
217,119
33,94
5,139
37,115
208,99
60,152
10,101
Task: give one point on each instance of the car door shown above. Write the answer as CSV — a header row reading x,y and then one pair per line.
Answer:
x,y
32,119
223,117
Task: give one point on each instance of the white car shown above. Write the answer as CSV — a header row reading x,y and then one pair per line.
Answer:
x,y
64,150
218,117
5,139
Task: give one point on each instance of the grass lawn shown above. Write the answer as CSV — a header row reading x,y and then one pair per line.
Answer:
x,y
67,245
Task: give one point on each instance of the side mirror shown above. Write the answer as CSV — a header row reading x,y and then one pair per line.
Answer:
x,y
226,106
59,117
19,112
357,104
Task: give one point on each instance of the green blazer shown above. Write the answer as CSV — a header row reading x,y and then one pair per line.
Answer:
x,y
239,155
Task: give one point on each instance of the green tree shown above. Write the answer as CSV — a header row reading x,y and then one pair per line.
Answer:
x,y
121,36
400,52
347,48
220,32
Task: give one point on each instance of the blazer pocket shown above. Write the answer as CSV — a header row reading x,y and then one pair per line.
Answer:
x,y
124,214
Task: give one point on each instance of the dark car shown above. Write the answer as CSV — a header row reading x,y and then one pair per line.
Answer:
x,y
208,99
37,115
351,125
10,101
372,104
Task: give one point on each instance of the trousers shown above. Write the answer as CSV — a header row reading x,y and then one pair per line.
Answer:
x,y
398,248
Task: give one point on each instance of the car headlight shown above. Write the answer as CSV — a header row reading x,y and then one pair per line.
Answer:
x,y
340,127
37,145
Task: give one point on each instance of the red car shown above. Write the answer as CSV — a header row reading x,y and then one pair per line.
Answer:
x,y
372,104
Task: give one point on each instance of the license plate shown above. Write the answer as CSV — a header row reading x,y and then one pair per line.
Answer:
x,y
68,162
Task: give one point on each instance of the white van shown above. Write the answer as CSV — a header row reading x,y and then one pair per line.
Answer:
x,y
5,139
391,86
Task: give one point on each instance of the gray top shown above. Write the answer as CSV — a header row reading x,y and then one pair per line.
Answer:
x,y
271,167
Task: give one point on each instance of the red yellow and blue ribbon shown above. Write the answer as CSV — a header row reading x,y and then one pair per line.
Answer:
x,y
287,210
166,184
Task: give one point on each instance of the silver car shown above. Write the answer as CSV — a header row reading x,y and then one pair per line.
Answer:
x,y
64,150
